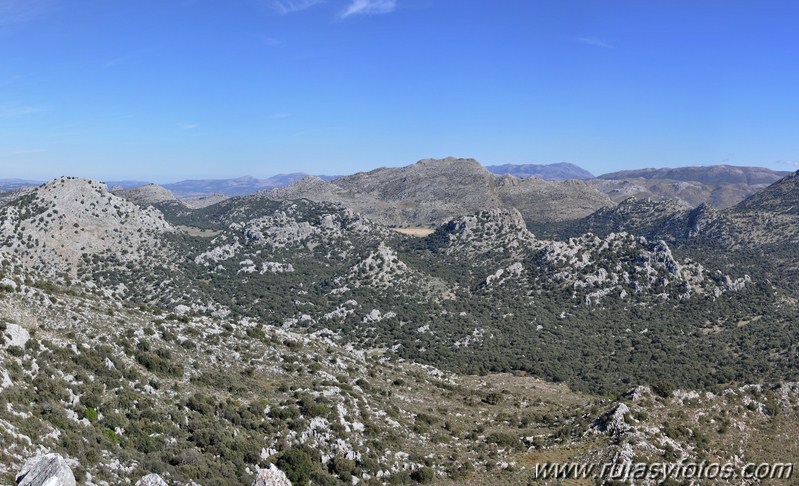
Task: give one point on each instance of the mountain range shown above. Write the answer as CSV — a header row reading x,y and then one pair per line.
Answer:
x,y
720,185
293,330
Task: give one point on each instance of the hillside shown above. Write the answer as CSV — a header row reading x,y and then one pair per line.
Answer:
x,y
721,186
60,226
430,192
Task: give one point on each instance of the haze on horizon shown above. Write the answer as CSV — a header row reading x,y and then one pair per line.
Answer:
x,y
164,91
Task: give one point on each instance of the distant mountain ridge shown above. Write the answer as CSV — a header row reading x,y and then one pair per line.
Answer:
x,y
560,171
239,186
710,174
435,190
13,184
722,186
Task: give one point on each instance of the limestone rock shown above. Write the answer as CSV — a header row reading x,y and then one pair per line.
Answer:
x,y
151,480
18,335
271,476
46,470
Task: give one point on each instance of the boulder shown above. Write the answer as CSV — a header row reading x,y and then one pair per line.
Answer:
x,y
18,335
151,480
46,470
271,476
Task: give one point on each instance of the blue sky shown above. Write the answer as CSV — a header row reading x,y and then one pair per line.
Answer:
x,y
168,90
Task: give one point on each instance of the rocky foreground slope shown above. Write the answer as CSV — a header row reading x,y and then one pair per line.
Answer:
x,y
121,393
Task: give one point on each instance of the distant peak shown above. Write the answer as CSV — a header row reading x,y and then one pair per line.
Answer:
x,y
552,172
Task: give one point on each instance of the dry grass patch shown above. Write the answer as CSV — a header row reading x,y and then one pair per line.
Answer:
x,y
418,232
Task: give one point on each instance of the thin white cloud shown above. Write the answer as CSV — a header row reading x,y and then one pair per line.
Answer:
x,y
791,163
369,7
271,41
128,57
19,11
15,111
188,126
29,151
285,7
11,80
593,41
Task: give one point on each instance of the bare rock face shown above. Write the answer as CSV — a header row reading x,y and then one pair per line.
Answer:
x,y
620,264
46,470
271,476
151,480
17,335
486,232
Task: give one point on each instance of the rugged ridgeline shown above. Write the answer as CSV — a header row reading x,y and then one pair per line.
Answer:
x,y
757,236
201,343
709,174
433,191
722,186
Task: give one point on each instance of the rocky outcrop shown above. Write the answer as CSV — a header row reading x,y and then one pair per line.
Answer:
x,y
271,476
46,470
17,335
151,480
621,264
494,230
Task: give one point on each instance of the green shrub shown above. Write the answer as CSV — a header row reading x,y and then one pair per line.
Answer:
x,y
502,439
111,436
298,465
424,475
90,414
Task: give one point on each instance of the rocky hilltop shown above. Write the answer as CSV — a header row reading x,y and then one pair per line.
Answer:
x,y
435,190
146,195
61,225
